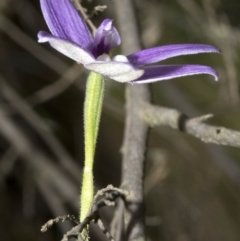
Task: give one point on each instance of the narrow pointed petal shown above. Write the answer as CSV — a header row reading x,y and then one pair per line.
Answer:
x,y
106,38
166,72
119,71
67,48
64,21
153,55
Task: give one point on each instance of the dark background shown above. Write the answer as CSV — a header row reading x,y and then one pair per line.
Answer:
x,y
192,189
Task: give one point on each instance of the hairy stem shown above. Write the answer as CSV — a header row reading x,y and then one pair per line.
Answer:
x,y
92,113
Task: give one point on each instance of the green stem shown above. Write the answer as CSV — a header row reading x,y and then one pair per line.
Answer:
x,y
92,114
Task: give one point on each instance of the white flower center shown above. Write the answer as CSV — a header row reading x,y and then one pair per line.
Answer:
x,y
120,58
117,58
104,57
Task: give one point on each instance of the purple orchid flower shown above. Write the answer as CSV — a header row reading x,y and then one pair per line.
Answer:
x,y
71,37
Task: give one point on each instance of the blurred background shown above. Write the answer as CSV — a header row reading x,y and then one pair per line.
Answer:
x,y
192,189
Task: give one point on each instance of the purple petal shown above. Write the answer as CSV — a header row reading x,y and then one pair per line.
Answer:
x,y
153,55
64,21
165,72
67,48
106,38
119,71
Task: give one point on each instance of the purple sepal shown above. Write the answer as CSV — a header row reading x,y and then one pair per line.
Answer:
x,y
166,72
106,38
64,21
153,55
67,48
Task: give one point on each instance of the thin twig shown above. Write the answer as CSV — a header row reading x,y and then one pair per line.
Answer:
x,y
104,230
110,194
104,197
99,8
58,219
84,14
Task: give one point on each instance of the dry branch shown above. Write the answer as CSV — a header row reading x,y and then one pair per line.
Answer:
x,y
136,131
159,116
